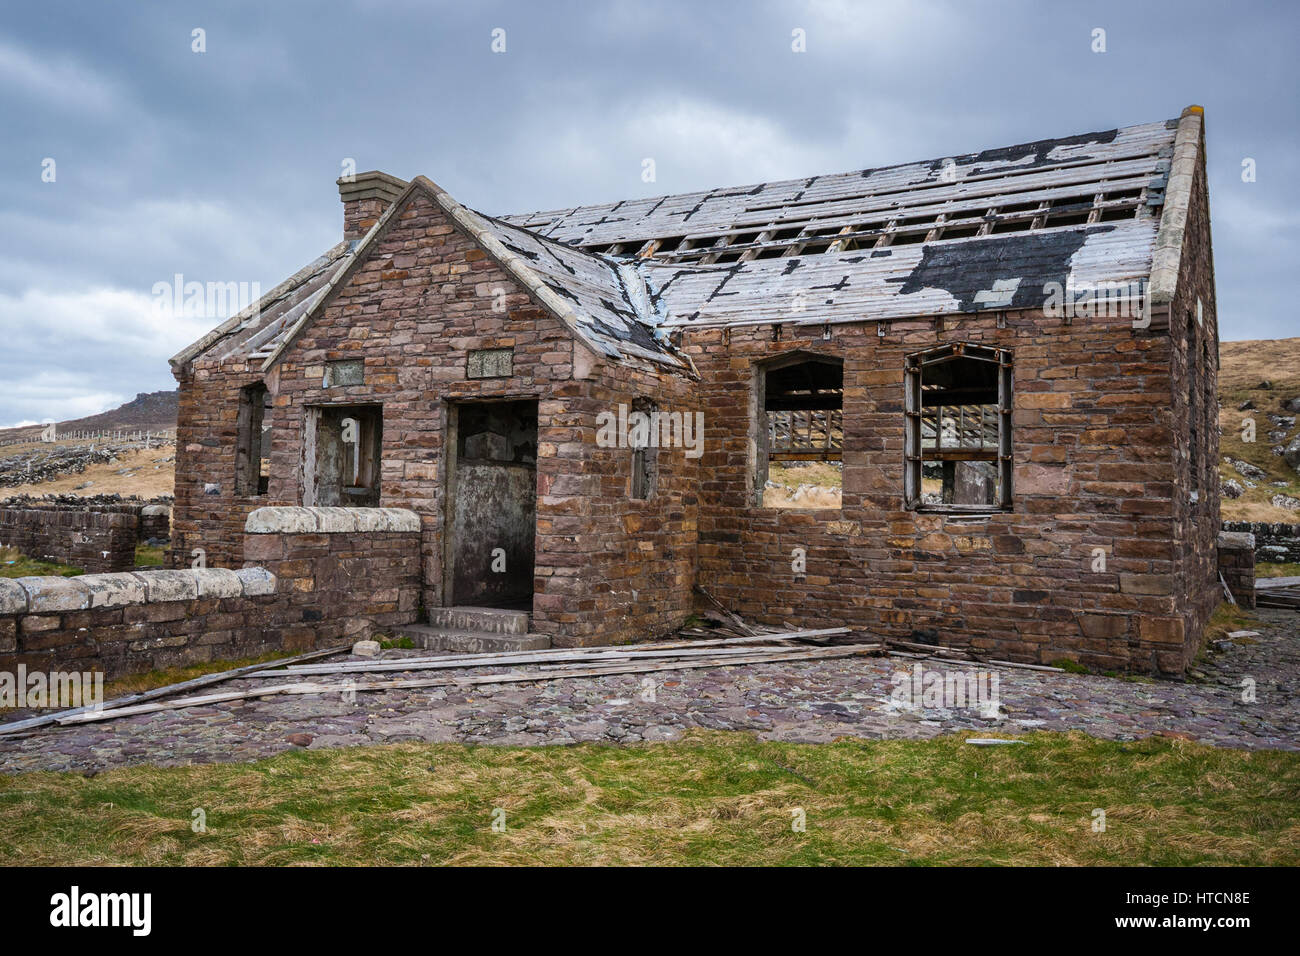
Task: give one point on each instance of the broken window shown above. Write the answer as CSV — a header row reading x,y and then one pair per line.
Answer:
x,y
958,441
645,451
253,441
800,431
342,457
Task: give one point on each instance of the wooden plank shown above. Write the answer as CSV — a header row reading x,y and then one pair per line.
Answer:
x,y
790,654
733,618
205,681
502,658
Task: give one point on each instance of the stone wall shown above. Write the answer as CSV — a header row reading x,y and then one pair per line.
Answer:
x,y
1273,542
607,568
90,540
1191,319
325,580
1237,565
343,572
1092,434
155,523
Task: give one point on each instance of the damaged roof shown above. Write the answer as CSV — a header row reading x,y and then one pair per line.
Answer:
x,y
603,301
959,234
256,332
985,230
1114,172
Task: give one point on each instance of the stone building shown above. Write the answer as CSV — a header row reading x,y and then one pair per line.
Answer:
x,y
999,368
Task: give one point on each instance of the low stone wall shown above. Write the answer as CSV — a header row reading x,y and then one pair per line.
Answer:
x,y
1237,565
77,533
323,580
349,570
90,540
137,621
1273,542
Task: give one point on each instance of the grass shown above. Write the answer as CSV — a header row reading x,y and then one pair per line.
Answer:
x,y
711,799
148,473
134,683
1280,569
16,565
149,556
1246,365
823,481
1226,619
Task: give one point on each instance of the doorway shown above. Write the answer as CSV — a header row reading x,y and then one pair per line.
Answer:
x,y
492,504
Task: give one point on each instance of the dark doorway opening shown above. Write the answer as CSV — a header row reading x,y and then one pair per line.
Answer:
x,y
492,502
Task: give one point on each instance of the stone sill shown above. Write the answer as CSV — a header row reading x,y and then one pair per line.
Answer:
x,y
298,520
54,595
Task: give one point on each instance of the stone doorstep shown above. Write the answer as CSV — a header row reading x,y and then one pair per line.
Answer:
x,y
456,641
489,620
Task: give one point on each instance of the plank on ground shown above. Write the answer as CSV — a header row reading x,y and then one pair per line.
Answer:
x,y
784,654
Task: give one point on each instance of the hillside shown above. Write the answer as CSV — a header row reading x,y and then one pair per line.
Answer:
x,y
1259,381
148,411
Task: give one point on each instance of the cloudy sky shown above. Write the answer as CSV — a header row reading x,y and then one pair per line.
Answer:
x,y
219,166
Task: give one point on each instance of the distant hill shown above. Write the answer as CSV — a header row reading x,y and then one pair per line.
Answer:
x,y
149,411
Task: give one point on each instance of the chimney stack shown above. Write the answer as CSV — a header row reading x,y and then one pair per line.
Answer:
x,y
365,196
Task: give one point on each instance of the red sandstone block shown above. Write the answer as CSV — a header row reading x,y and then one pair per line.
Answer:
x,y
261,548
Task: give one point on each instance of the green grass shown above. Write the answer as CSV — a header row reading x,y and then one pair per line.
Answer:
x,y
1280,569
149,556
134,683
711,799
1228,618
15,565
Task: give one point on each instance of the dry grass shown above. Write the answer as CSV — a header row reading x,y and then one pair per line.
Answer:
x,y
148,475
813,484
1228,618
1244,365
711,799
134,683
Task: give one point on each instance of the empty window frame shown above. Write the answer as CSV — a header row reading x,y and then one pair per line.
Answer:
x,y
958,429
342,460
253,441
800,431
645,451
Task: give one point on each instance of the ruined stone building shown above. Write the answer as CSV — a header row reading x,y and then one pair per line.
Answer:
x,y
1007,358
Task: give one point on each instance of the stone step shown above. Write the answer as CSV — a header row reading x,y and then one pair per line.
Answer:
x,y
490,619
460,641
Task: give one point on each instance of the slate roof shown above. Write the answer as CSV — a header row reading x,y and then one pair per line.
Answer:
x,y
985,230
1066,172
604,301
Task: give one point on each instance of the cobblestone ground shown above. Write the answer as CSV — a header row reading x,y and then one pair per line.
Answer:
x,y
814,701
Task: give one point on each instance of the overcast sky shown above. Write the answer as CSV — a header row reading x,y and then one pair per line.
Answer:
x,y
220,165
